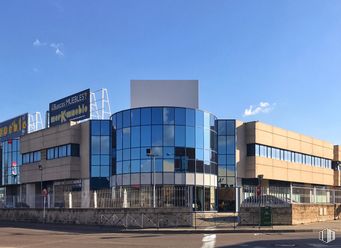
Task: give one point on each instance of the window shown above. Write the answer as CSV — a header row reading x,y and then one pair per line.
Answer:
x,y
168,116
146,136
180,136
146,116
135,137
157,114
190,117
57,152
135,117
157,135
180,116
126,118
168,135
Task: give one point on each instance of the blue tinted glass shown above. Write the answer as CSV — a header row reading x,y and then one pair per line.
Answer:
x,y
157,135
135,136
105,144
146,165
180,136
207,138
157,151
207,120
135,166
146,116
213,138
119,139
180,116
199,137
126,154
144,153
95,171
230,145
222,159
95,145
95,128
231,127
230,171
126,138
168,152
157,114
135,117
190,137
113,119
168,116
105,160
212,122
135,153
105,171
119,155
119,120
158,165
126,118
199,154
222,127
168,165
207,156
146,136
190,117
230,159
222,147
222,171
199,118
168,135
126,167
105,127
95,160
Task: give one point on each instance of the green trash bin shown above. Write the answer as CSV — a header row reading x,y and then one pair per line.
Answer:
x,y
266,216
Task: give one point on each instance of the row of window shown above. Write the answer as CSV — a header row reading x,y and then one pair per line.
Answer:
x,y
165,165
31,157
286,155
63,151
167,153
166,116
165,135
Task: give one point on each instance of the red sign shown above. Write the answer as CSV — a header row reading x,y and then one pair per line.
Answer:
x,y
259,191
44,192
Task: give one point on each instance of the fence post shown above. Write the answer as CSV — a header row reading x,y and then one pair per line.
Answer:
x,y
70,200
95,199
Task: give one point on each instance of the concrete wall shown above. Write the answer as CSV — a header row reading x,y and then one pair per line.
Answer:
x,y
294,214
61,168
176,93
140,218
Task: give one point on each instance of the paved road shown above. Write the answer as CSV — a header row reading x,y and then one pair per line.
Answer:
x,y
29,238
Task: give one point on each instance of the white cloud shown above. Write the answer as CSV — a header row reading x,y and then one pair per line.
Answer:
x,y
57,47
262,107
38,43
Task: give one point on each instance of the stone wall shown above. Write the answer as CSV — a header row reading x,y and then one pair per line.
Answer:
x,y
293,215
121,218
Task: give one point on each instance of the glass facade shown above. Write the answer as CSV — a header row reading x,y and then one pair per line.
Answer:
x,y
226,152
182,140
11,162
100,154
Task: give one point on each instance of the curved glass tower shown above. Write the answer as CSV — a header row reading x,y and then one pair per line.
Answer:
x,y
183,151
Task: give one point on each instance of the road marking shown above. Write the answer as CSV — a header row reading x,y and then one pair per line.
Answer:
x,y
285,245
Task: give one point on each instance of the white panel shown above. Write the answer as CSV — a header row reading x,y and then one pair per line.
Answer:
x,y
178,93
145,178
119,179
126,179
190,178
168,178
180,178
199,179
158,178
135,179
113,181
207,179
214,180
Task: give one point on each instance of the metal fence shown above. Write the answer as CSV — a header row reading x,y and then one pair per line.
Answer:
x,y
284,196
142,197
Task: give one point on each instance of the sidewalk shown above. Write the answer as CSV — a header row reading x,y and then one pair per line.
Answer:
x,y
313,227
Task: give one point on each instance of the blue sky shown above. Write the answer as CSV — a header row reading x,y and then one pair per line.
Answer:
x,y
282,55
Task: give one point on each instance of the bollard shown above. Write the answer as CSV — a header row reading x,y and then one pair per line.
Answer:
x,y
70,200
95,199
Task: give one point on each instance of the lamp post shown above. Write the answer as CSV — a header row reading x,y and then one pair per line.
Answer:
x,y
152,155
40,167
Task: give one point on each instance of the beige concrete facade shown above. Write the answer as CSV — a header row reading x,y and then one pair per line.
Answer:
x,y
61,168
273,169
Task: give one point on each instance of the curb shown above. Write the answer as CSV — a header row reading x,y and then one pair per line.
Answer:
x,y
213,231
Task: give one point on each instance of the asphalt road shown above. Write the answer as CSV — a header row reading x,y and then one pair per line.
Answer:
x,y
27,238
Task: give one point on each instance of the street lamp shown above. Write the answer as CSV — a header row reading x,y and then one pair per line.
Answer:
x,y
152,155
40,167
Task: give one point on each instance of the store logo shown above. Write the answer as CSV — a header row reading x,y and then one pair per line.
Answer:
x,y
327,236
